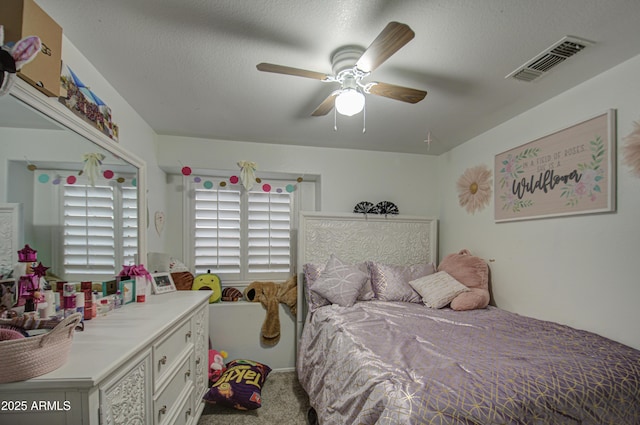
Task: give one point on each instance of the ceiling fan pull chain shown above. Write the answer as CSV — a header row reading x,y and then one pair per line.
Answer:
x,y
335,120
364,119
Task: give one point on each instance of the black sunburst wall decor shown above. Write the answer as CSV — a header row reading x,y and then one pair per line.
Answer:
x,y
383,207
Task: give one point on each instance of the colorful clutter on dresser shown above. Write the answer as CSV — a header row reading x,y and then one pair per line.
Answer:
x,y
30,294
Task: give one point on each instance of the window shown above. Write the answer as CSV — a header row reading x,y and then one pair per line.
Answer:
x,y
99,229
241,235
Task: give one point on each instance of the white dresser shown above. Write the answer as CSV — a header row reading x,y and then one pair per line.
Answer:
x,y
142,364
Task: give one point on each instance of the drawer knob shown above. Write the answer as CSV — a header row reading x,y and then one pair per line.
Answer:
x,y
163,410
163,360
187,373
189,334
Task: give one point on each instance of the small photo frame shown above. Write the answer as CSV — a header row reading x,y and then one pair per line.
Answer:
x,y
162,283
128,290
8,294
109,287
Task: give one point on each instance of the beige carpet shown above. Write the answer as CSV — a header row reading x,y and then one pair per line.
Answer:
x,y
284,402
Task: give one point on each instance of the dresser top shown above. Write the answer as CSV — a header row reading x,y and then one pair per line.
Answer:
x,y
108,342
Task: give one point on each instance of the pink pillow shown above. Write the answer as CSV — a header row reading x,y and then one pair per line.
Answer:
x,y
471,271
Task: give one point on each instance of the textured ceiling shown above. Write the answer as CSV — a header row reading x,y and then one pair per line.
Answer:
x,y
189,66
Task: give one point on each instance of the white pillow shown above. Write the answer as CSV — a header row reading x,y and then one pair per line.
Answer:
x,y
438,289
340,282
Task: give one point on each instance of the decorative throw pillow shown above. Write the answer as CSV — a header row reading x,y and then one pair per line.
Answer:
x,y
438,289
391,282
312,273
340,282
182,280
240,386
471,271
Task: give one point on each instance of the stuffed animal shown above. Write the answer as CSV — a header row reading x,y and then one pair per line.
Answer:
x,y
216,364
208,281
231,294
269,294
13,58
471,271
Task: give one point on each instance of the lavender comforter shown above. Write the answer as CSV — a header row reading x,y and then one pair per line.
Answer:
x,y
402,363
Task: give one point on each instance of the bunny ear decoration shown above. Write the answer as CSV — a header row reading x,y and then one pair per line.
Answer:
x,y
26,50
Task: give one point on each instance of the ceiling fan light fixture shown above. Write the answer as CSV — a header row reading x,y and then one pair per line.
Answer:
x,y
349,102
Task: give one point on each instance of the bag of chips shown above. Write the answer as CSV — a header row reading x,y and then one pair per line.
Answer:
x,y
240,386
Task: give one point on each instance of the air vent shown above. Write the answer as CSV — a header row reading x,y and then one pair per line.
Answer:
x,y
549,58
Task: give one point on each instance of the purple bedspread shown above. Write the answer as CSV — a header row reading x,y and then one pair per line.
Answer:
x,y
402,363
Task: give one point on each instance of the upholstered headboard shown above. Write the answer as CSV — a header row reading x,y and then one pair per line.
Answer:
x,y
391,239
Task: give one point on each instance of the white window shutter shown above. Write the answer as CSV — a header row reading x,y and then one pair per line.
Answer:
x,y
129,225
100,229
269,232
242,236
217,231
89,230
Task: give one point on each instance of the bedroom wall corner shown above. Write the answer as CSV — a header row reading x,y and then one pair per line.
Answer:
x,y
577,270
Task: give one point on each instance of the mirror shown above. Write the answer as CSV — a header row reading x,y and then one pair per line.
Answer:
x,y
42,160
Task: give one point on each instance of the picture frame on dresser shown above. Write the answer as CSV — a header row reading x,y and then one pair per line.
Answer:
x,y
128,290
162,283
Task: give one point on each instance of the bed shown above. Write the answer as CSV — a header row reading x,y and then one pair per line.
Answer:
x,y
398,362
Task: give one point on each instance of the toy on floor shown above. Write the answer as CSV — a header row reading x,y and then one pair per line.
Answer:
x,y
216,364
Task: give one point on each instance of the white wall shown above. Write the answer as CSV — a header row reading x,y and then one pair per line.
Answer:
x,y
346,176
577,270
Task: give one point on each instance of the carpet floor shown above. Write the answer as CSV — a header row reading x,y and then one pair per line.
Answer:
x,y
284,402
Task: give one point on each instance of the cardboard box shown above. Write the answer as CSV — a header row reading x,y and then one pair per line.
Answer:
x,y
22,18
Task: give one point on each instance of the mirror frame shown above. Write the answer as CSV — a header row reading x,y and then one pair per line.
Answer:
x,y
50,107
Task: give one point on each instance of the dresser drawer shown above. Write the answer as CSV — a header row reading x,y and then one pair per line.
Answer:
x,y
168,350
185,414
172,394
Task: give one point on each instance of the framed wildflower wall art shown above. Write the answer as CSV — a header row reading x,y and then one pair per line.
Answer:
x,y
571,171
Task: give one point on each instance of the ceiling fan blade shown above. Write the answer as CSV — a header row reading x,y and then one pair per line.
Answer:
x,y
403,94
392,38
326,106
287,70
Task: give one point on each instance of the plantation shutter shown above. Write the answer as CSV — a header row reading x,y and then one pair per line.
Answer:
x,y
129,225
269,232
89,230
217,231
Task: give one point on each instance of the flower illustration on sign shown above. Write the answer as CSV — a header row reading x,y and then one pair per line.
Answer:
x,y
632,149
511,170
588,185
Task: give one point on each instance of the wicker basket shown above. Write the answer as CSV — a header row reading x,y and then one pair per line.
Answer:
x,y
27,358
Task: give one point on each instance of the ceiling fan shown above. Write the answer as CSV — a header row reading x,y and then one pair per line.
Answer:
x,y
351,65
